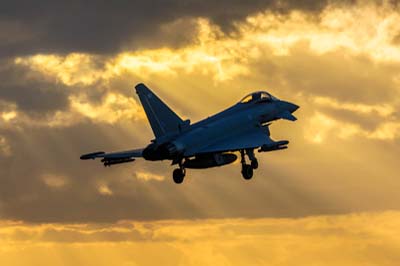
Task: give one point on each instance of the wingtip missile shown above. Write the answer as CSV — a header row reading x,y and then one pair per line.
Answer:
x,y
92,155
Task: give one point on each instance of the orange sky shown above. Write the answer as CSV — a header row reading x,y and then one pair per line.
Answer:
x,y
330,199
356,239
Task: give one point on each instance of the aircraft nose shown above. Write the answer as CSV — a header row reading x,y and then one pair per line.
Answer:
x,y
291,107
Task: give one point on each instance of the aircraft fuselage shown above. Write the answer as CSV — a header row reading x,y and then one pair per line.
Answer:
x,y
236,120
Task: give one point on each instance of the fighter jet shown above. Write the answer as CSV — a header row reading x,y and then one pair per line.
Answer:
x,y
212,142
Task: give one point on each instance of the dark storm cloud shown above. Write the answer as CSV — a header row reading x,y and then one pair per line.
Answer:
x,y
29,91
105,27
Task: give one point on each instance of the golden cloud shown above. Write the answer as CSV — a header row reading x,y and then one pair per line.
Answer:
x,y
8,112
383,110
321,126
149,176
71,69
354,239
112,108
5,148
104,189
8,116
365,29
55,181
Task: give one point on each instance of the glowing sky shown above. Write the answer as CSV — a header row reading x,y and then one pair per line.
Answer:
x,y
67,76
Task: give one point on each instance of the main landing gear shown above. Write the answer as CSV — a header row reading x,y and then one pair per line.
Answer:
x,y
179,174
247,169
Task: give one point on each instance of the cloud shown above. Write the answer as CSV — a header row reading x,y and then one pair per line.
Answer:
x,y
354,239
382,110
321,127
72,69
88,69
349,120
294,45
30,91
94,27
5,148
114,107
104,190
149,176
54,181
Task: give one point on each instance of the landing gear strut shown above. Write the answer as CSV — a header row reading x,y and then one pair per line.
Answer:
x,y
253,159
179,174
247,170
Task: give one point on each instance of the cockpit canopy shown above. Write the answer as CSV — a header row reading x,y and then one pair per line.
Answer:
x,y
259,96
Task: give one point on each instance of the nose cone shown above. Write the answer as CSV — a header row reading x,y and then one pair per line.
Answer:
x,y
291,107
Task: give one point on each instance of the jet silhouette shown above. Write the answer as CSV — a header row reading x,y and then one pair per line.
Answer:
x,y
210,142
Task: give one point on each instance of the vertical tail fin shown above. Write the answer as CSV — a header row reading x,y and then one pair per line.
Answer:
x,y
162,119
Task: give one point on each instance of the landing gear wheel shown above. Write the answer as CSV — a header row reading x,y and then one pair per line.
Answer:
x,y
247,171
254,164
178,175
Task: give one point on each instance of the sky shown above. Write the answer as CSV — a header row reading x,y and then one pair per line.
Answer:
x,y
68,71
